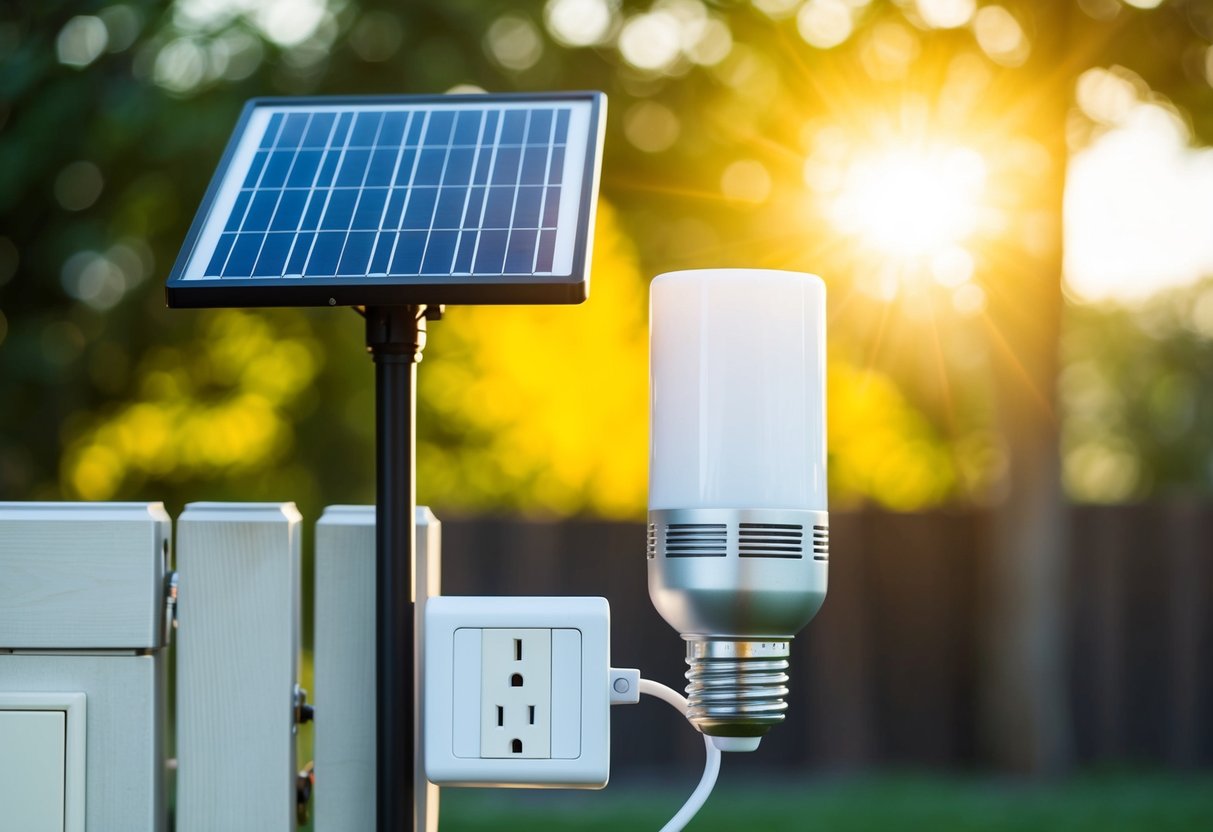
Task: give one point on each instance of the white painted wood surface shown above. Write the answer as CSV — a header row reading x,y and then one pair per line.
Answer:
x,y
124,729
82,575
71,713
237,662
345,666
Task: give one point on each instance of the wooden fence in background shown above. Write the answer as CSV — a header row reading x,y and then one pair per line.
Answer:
x,y
886,675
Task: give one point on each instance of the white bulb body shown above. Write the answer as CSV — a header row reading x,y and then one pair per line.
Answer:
x,y
738,529
737,385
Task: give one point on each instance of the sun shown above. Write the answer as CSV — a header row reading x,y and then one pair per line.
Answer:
x,y
910,204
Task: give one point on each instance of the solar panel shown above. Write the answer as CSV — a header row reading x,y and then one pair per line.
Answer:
x,y
398,200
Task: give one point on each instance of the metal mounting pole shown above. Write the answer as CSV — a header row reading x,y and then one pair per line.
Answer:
x,y
395,338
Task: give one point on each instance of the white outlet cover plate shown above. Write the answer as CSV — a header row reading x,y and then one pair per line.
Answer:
x,y
580,699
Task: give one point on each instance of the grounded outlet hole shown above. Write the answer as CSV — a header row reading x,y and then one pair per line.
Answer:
x,y
516,680
516,747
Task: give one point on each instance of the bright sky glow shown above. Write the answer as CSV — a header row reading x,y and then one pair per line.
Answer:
x,y
1139,210
911,203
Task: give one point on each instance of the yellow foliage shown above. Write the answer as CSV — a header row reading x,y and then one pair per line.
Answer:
x,y
552,401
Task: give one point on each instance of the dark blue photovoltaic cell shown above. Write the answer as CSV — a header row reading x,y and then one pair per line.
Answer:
x,y
340,209
244,254
290,209
395,208
534,166
273,254
237,216
449,212
429,166
303,172
277,168
353,168
366,127
318,130
526,209
491,253
467,247
314,210
520,253
547,251
438,129
467,127
298,259
382,257
215,268
420,209
391,133
370,208
328,169
371,192
261,211
409,248
416,126
325,253
357,254
551,208
475,208
292,130
499,208
514,128
539,130
254,171
271,130
459,166
383,165
440,252
408,162
505,168
484,163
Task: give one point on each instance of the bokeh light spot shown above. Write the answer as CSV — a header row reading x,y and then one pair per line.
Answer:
x,y
746,180
376,36
824,23
651,41
514,42
579,22
945,14
1000,36
78,185
650,126
81,41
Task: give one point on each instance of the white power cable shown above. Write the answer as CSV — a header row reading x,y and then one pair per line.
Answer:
x,y
711,768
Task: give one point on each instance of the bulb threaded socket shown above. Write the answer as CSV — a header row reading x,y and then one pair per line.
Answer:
x,y
736,688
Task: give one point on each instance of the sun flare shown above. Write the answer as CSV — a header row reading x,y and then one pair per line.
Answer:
x,y
911,204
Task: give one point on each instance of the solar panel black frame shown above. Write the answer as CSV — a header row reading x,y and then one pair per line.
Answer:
x,y
510,288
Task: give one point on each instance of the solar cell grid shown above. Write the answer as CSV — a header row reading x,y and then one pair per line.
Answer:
x,y
381,192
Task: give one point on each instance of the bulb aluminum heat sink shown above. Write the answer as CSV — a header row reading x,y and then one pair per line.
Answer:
x,y
738,530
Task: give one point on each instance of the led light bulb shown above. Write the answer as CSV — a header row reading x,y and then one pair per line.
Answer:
x,y
738,530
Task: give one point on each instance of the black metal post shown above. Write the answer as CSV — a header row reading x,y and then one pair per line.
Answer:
x,y
395,338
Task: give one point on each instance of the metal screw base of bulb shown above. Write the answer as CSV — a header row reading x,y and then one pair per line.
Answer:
x,y
736,688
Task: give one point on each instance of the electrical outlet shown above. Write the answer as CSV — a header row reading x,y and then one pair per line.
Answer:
x,y
517,692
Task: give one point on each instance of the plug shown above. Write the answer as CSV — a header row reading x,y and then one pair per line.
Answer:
x,y
518,692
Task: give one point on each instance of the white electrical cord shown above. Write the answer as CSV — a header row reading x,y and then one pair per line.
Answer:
x,y
711,768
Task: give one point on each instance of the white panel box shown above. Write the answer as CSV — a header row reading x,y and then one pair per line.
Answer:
x,y
42,761
83,627
83,575
345,666
237,664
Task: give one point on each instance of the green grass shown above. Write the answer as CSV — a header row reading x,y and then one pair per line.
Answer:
x,y
1106,803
